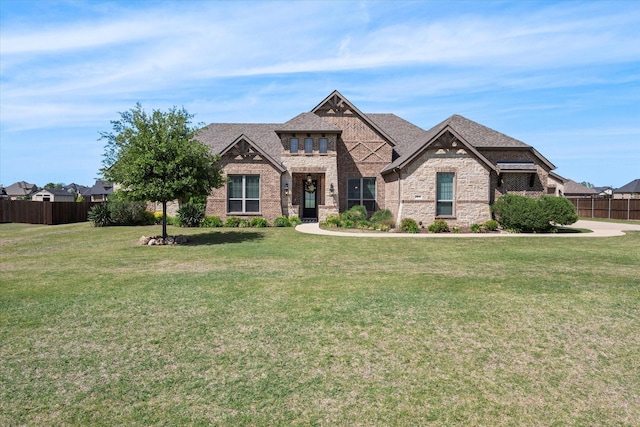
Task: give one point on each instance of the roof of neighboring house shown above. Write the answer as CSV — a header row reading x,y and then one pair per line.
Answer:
x,y
76,187
21,188
572,187
632,187
55,192
100,187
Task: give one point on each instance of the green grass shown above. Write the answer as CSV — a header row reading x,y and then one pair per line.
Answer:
x,y
272,327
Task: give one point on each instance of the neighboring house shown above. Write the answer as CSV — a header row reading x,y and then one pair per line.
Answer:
x,y
605,192
75,189
3,193
21,190
628,191
53,195
335,156
99,192
573,189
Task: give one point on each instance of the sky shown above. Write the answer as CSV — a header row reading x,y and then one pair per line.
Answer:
x,y
563,77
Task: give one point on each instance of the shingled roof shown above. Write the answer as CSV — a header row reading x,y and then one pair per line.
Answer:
x,y
632,187
218,136
407,139
572,188
308,122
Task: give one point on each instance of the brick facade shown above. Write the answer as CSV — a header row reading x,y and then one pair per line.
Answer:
x,y
405,166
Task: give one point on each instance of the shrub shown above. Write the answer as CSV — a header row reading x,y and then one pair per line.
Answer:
x,y
127,213
363,225
476,228
491,225
282,221
355,214
295,220
191,214
173,220
211,222
438,226
157,217
409,225
150,218
244,223
347,223
232,221
381,216
333,221
259,223
521,214
558,210
456,230
100,215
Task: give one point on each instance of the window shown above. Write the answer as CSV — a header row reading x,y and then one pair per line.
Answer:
x,y
444,203
323,145
294,145
308,145
243,193
362,191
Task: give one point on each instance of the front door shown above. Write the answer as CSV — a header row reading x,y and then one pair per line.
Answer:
x,y
310,202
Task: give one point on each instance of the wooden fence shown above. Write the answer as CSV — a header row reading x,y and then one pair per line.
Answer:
x,y
607,208
50,213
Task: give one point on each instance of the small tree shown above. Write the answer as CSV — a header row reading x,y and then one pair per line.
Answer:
x,y
154,157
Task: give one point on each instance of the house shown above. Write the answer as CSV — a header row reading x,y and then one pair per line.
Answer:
x,y
572,189
335,156
21,190
99,192
604,192
53,195
75,189
628,191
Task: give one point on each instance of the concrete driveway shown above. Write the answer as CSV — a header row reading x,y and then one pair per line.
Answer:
x,y
599,229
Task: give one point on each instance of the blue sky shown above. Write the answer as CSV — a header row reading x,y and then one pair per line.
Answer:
x,y
563,77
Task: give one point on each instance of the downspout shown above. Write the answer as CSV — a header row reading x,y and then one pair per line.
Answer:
x,y
397,170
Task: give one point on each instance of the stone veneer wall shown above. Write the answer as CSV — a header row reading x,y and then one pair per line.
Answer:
x,y
323,168
471,188
270,184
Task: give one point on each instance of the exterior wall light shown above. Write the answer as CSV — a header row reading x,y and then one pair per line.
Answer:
x,y
286,189
331,189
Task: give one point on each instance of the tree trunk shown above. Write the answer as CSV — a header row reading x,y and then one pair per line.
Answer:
x,y
164,219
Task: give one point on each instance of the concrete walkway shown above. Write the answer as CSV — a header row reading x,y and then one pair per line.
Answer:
x,y
599,229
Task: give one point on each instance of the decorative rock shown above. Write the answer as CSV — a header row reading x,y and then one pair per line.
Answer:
x,y
159,241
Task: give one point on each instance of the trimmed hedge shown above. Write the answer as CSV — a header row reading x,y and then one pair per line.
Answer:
x,y
524,214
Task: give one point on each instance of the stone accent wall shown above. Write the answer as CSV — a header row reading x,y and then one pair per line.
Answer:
x,y
323,168
471,187
362,153
270,185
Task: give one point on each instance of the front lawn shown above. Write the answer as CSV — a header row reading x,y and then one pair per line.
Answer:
x,y
272,327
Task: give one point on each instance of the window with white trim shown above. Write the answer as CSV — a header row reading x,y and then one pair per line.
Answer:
x,y
362,191
243,194
445,190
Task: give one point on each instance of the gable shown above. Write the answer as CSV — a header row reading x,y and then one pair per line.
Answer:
x,y
446,141
243,148
336,107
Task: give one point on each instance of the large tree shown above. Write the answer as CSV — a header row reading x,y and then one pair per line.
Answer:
x,y
155,157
